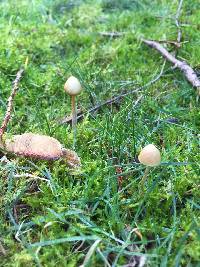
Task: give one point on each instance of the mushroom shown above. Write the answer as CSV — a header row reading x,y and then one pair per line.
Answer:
x,y
40,147
149,156
73,88
33,145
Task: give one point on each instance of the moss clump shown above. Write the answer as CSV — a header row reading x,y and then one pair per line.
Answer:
x,y
54,219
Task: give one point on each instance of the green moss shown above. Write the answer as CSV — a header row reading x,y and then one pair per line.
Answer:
x,y
62,38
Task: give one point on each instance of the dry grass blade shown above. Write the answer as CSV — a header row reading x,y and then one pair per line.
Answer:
x,y
90,252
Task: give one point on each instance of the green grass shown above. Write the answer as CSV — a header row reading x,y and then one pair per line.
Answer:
x,y
68,219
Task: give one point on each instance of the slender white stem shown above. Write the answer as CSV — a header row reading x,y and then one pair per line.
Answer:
x,y
145,175
74,120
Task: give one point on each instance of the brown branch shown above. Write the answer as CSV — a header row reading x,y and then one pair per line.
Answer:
x,y
175,43
15,87
189,73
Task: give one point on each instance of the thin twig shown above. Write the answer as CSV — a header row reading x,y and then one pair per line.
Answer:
x,y
178,42
10,102
112,34
114,99
79,247
2,249
175,43
189,73
178,13
30,176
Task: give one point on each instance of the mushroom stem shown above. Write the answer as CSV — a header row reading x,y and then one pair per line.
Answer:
x,y
146,172
74,120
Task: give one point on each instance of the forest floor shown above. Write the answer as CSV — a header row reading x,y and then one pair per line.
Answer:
x,y
101,215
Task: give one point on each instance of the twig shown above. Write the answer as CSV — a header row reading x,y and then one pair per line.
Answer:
x,y
112,34
178,42
10,102
189,73
30,176
79,247
178,23
99,106
2,249
175,43
15,214
114,99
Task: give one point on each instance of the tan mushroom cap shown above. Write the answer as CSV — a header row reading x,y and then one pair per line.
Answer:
x,y
35,146
72,86
150,156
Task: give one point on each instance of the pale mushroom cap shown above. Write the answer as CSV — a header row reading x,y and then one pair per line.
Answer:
x,y
35,146
150,156
73,86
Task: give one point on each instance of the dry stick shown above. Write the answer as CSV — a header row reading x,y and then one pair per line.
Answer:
x,y
112,34
10,103
2,249
115,99
178,42
175,43
183,66
178,23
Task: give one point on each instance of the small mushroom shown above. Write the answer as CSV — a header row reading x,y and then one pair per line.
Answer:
x,y
73,88
149,156
35,145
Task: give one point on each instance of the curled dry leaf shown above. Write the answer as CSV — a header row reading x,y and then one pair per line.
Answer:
x,y
40,147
